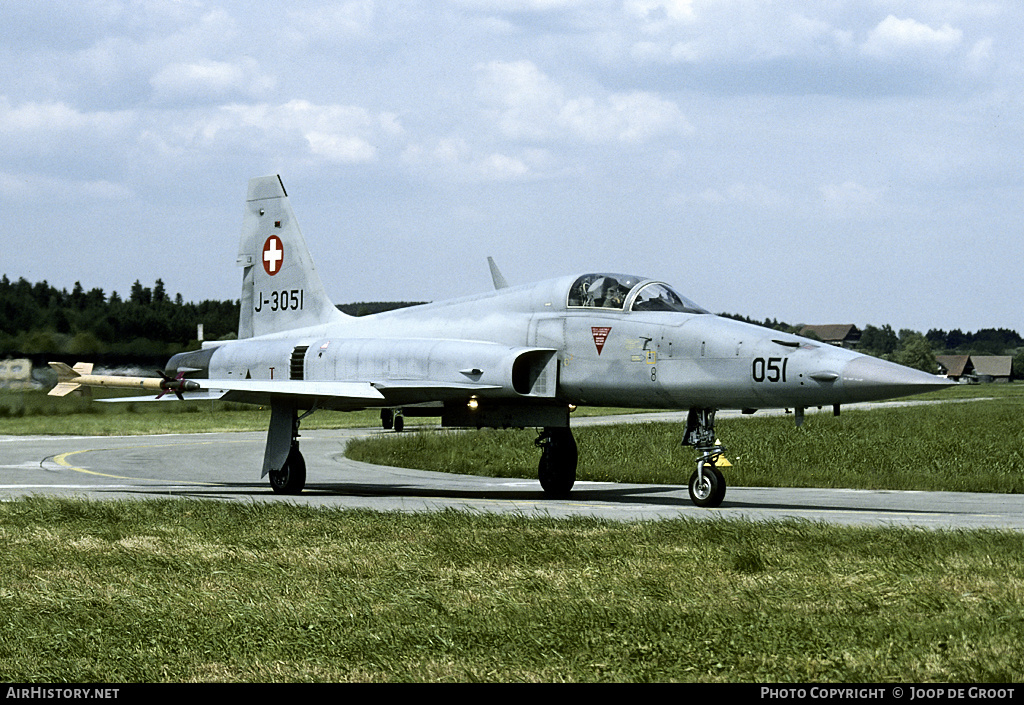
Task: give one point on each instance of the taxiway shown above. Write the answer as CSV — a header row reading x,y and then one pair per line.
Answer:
x,y
224,466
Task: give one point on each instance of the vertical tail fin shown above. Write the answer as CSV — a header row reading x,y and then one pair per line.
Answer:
x,y
496,276
281,289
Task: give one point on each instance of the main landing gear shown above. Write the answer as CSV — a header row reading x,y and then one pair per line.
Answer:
x,y
558,458
707,485
291,478
282,460
392,419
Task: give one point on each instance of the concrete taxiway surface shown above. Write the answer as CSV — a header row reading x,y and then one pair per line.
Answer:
x,y
225,466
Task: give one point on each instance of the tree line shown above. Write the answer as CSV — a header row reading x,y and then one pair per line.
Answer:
x,y
38,319
43,322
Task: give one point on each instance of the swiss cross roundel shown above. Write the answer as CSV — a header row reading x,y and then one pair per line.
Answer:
x,y
273,255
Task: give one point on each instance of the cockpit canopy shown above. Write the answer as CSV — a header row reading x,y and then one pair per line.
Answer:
x,y
617,291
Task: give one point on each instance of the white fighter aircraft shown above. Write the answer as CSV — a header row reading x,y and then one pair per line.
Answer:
x,y
518,356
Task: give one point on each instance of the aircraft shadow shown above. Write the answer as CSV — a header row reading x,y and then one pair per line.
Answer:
x,y
651,496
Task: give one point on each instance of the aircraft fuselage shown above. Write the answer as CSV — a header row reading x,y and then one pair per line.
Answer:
x,y
579,356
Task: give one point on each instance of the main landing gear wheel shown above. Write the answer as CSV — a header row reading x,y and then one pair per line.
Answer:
x,y
558,459
291,478
707,486
391,419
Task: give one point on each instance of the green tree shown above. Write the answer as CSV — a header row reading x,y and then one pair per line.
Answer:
x,y
917,352
879,341
1018,366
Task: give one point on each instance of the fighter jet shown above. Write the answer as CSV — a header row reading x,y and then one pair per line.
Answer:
x,y
517,356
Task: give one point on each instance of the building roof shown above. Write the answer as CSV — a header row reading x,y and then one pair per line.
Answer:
x,y
987,365
992,365
954,365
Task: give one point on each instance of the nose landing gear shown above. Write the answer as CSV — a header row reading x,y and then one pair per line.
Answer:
x,y
707,484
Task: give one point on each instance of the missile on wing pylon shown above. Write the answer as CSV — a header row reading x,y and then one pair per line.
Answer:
x,y
71,378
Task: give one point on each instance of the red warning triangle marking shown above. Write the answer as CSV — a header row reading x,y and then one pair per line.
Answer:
x,y
600,334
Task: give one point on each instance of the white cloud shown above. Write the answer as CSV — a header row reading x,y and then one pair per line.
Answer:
x,y
295,132
528,5
893,36
656,13
210,80
55,118
674,32
795,47
55,136
335,133
39,189
849,195
332,22
456,160
755,194
529,105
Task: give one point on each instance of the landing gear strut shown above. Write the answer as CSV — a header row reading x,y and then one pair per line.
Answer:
x,y
707,485
558,458
282,460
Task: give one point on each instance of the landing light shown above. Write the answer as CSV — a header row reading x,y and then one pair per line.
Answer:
x,y
473,404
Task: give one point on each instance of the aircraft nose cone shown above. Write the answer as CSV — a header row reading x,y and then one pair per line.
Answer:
x,y
869,378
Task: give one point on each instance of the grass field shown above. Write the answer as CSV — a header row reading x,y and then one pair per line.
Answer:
x,y
203,591
174,591
975,446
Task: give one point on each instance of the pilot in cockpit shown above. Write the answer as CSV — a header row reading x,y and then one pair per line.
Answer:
x,y
606,292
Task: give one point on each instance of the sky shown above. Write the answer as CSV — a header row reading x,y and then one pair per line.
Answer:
x,y
811,161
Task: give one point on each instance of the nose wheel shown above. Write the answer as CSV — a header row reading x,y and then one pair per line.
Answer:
x,y
707,484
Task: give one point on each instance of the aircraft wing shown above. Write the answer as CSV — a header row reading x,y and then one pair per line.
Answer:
x,y
259,390
334,392
256,390
345,394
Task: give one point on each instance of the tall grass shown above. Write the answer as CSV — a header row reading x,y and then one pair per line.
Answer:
x,y
188,591
970,446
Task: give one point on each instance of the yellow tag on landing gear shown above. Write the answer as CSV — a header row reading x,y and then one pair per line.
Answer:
x,y
721,461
